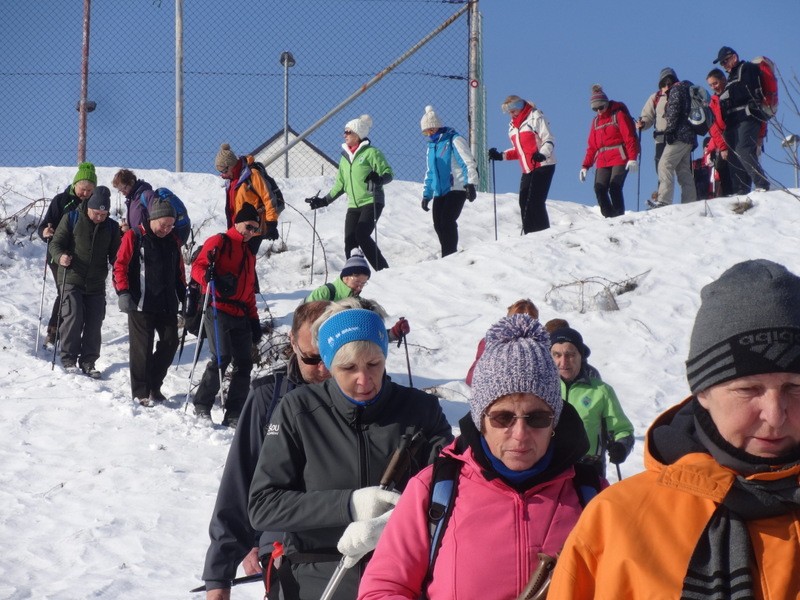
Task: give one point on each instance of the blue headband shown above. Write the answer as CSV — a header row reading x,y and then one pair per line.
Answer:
x,y
348,326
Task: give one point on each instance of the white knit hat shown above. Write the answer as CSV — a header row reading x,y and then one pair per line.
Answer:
x,y
360,126
429,120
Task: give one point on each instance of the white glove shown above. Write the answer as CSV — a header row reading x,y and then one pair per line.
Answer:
x,y
582,175
361,537
370,502
631,166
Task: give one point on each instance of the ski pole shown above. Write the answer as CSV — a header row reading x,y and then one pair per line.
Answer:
x,y
313,243
200,333
216,340
41,302
619,473
58,319
494,199
639,173
375,225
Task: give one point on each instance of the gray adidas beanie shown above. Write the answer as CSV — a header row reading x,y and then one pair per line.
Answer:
x,y
516,360
748,324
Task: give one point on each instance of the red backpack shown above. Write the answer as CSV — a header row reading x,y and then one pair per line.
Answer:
x,y
769,85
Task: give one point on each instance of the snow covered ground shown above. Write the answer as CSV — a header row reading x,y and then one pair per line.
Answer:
x,y
101,498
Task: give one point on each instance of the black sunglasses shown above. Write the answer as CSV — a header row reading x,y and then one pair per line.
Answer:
x,y
503,419
599,108
312,360
252,228
347,132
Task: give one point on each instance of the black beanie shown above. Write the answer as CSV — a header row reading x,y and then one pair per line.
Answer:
x,y
748,324
248,212
568,334
100,198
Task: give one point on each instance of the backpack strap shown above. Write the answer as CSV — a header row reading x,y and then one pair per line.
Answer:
x,y
444,485
587,483
331,291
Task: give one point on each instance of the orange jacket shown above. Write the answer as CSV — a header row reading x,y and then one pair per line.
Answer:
x,y
250,188
635,539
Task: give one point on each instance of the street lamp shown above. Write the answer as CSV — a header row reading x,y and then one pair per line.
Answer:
x,y
287,60
790,142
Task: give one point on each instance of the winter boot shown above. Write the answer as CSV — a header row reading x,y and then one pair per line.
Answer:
x,y
202,412
68,362
231,420
157,396
89,369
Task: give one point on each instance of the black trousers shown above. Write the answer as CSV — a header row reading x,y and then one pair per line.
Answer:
x,y
148,368
608,183
359,223
446,210
232,346
745,171
533,190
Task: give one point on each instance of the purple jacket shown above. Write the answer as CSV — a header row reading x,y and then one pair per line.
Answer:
x,y
494,534
136,213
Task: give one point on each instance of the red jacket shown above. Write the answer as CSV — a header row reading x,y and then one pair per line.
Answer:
x,y
235,269
612,138
717,127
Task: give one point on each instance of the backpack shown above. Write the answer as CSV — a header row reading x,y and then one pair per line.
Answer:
x,y
183,224
444,488
275,194
700,115
769,85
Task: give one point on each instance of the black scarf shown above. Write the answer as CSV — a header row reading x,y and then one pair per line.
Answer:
x,y
720,566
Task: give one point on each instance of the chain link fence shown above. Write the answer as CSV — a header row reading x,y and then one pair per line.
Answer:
x,y
234,82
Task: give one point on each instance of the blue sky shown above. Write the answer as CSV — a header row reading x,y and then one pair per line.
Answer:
x,y
548,51
552,51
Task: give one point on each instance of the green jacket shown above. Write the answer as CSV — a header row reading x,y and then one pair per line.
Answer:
x,y
599,408
352,174
323,293
93,249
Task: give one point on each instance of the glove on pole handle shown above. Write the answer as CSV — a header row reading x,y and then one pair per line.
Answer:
x,y
539,582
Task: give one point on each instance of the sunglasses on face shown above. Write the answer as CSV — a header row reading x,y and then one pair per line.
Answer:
x,y
503,419
312,360
599,108
348,132
252,228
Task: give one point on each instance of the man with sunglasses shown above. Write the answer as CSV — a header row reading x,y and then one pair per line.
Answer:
x,y
596,402
741,111
227,264
233,540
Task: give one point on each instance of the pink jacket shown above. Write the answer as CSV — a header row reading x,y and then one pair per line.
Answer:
x,y
490,546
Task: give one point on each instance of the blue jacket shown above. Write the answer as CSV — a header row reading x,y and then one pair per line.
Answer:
x,y
450,164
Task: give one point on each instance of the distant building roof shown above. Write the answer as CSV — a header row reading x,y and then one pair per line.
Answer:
x,y
305,159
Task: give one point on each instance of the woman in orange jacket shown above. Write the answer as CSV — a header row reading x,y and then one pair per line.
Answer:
x,y
716,513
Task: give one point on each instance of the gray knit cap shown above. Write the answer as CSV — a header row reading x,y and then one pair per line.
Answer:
x,y
161,208
748,324
666,72
516,360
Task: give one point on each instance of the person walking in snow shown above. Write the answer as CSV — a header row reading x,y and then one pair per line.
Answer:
x,y
607,426
233,539
363,172
744,120
716,512
351,281
653,112
718,147
519,487
679,140
79,191
451,178
151,284
328,446
533,146
226,259
613,149
84,244
138,194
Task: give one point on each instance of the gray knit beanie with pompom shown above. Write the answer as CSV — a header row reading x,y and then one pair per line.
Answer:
x,y
516,360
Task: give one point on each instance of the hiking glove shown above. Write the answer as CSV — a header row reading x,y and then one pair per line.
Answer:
x,y
617,453
538,157
255,328
425,203
631,166
494,154
374,181
361,537
582,175
471,193
272,230
400,329
316,202
370,502
126,303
